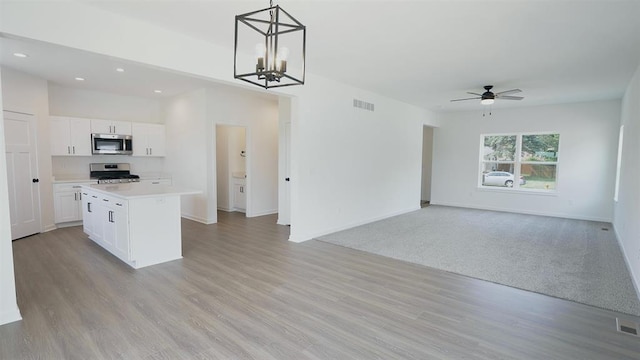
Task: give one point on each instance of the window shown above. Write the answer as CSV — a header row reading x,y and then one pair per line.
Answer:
x,y
532,159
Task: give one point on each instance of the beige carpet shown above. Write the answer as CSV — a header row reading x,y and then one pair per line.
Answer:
x,y
570,259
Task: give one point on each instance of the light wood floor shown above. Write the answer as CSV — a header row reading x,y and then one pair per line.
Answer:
x,y
243,291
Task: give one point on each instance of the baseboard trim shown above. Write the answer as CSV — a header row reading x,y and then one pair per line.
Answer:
x,y
67,224
538,213
10,316
306,237
263,213
634,279
198,219
52,227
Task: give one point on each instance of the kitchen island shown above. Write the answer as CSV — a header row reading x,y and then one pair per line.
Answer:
x,y
138,223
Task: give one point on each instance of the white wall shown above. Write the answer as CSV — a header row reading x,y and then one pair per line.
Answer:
x,y
27,93
351,166
77,167
65,101
588,151
627,209
189,158
9,311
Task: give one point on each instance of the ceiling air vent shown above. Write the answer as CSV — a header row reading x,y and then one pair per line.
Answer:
x,y
363,105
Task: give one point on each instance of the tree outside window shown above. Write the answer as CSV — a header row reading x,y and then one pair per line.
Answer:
x,y
521,161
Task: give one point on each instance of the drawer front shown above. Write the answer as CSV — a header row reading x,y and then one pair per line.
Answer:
x,y
69,186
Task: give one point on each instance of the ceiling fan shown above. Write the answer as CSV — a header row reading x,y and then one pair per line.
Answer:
x,y
488,97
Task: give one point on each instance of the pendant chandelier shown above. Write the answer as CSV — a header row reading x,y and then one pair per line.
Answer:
x,y
269,48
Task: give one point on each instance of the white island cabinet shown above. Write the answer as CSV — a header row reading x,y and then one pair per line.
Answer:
x,y
138,223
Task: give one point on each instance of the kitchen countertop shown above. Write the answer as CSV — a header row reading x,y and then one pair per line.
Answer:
x,y
79,179
130,191
63,180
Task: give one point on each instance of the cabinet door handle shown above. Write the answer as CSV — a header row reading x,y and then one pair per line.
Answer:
x,y
68,149
118,204
80,195
74,149
114,129
89,207
110,216
107,200
75,196
76,186
241,189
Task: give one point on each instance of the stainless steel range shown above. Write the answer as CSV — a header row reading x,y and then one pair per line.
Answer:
x,y
112,173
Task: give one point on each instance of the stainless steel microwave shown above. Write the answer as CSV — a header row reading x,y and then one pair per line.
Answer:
x,y
111,144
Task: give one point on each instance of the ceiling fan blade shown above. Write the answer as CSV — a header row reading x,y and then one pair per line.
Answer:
x,y
474,98
507,97
472,93
513,91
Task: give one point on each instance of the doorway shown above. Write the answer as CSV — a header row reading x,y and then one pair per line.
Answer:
x,y
22,173
427,160
231,168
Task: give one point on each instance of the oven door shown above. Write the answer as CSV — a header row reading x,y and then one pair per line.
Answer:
x,y
111,144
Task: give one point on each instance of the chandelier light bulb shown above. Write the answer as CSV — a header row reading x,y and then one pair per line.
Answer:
x,y
260,55
283,54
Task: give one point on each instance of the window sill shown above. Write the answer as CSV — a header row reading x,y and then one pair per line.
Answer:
x,y
506,190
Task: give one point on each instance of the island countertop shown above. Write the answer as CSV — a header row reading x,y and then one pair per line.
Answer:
x,y
130,191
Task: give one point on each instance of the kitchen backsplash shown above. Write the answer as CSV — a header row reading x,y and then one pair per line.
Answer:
x,y
69,167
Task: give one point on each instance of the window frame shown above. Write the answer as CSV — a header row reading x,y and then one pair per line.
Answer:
x,y
517,164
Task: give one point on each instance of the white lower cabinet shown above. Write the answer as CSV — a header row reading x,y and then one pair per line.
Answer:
x,y
106,221
67,202
239,194
87,213
139,230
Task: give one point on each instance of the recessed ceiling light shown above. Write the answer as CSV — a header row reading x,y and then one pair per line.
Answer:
x,y
20,55
119,69
80,78
157,91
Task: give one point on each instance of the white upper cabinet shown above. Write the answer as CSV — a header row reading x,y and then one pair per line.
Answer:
x,y
148,139
110,127
70,136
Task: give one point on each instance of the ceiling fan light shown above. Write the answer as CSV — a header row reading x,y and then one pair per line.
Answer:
x,y
487,101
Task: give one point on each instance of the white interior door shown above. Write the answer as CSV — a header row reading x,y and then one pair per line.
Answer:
x,y
22,173
284,212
